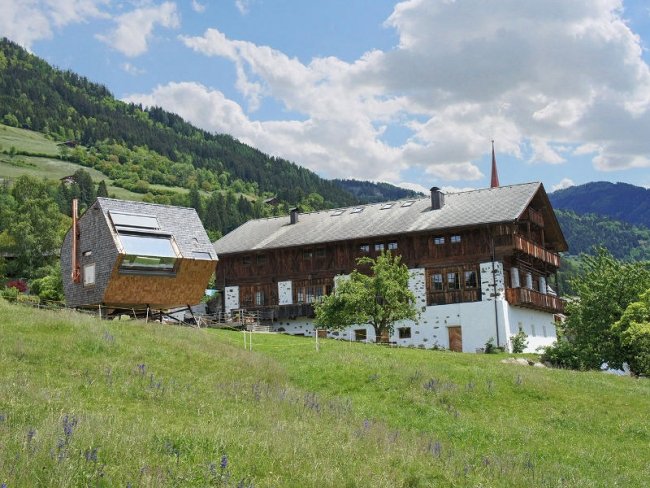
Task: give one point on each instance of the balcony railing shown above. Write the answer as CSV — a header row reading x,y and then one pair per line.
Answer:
x,y
520,243
525,297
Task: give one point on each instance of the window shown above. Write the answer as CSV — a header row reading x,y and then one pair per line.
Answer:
x,y
408,204
386,206
357,210
455,239
133,262
364,248
134,220
259,298
438,241
436,281
359,334
532,330
148,245
310,293
320,252
392,246
201,255
470,279
261,259
404,332
452,281
379,247
148,253
307,253
246,260
89,274
336,213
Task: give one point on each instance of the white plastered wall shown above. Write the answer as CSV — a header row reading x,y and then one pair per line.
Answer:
x,y
478,320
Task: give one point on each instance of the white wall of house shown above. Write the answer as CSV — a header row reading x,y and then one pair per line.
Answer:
x,y
478,320
538,326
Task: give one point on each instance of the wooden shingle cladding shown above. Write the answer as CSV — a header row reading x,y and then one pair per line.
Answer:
x,y
449,243
142,254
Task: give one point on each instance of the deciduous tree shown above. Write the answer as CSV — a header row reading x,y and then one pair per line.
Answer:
x,y
379,299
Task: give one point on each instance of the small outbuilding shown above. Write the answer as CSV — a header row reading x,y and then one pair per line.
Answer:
x,y
122,254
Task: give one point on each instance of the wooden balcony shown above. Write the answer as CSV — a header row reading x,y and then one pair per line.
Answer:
x,y
520,243
525,297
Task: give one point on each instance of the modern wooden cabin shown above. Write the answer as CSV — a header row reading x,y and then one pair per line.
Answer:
x,y
122,254
480,263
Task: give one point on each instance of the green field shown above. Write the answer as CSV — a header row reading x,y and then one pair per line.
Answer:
x,y
50,168
85,402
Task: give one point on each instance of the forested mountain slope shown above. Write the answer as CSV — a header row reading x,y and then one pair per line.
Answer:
x,y
368,192
619,201
70,107
586,232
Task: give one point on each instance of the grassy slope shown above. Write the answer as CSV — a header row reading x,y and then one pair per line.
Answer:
x,y
49,168
161,405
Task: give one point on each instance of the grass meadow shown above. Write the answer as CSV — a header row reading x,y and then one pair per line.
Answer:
x,y
39,165
85,402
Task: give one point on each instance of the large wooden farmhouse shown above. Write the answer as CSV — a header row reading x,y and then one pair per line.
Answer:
x,y
479,261
123,254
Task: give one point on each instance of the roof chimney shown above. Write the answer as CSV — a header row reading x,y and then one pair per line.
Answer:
x,y
293,215
494,181
437,198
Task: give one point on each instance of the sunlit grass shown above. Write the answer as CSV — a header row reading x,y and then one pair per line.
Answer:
x,y
90,402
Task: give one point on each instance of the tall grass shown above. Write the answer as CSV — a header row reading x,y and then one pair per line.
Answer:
x,y
85,402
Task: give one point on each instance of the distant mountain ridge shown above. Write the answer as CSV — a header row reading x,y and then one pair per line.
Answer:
x,y
618,201
369,192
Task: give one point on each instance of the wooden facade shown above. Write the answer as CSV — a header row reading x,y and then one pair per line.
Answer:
x,y
136,255
527,246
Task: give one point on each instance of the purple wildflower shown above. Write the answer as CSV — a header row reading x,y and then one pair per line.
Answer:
x,y
224,462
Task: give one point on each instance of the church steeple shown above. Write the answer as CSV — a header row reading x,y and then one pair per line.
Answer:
x,y
494,181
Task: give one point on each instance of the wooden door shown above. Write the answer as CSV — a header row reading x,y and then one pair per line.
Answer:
x,y
455,339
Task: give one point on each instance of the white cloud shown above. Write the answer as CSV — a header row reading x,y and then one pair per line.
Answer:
x,y
131,69
198,7
28,21
548,77
135,28
243,6
564,183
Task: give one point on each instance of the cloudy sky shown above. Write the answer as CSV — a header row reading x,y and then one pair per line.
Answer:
x,y
406,92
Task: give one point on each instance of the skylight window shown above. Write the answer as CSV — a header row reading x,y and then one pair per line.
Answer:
x,y
386,206
134,220
357,210
408,204
336,213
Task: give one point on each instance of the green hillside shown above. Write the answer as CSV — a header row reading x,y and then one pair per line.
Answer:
x,y
67,106
617,201
94,403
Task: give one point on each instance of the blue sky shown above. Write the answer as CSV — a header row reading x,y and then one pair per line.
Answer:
x,y
406,92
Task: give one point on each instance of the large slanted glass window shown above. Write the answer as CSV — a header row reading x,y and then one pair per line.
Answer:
x,y
134,221
147,253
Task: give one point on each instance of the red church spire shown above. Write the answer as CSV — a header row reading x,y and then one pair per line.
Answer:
x,y
494,182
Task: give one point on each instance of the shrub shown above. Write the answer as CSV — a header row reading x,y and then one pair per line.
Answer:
x,y
19,285
564,354
519,342
491,348
10,293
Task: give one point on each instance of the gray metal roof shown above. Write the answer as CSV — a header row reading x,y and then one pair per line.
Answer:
x,y
489,205
181,222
